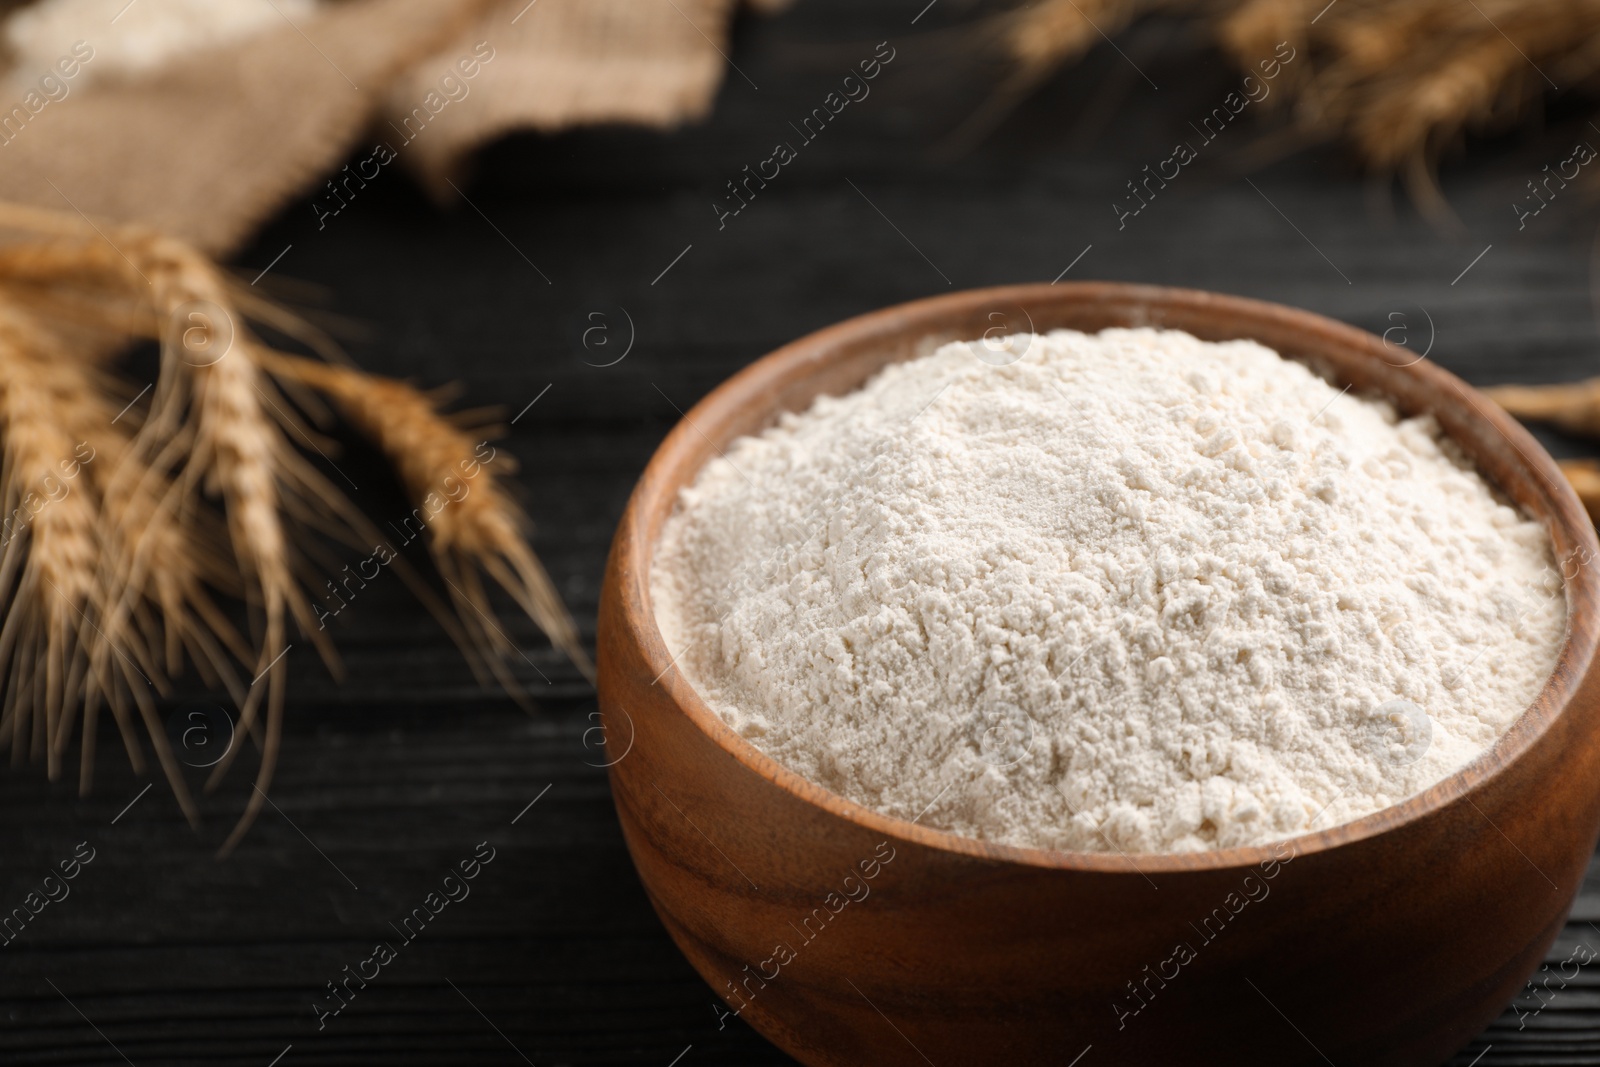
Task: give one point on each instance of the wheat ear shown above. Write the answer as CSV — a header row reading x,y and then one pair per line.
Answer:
x,y
209,424
1584,476
57,629
217,429
1573,406
480,528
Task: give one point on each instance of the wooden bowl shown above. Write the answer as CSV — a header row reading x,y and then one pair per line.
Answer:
x,y
851,938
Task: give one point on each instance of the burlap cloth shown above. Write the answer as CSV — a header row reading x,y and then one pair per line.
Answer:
x,y
210,147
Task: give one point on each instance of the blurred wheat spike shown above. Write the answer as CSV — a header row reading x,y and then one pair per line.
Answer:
x,y
119,527
1400,80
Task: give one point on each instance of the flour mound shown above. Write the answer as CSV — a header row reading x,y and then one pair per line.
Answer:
x,y
1131,591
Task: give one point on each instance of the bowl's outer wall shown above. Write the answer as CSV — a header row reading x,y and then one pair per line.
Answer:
x,y
1389,941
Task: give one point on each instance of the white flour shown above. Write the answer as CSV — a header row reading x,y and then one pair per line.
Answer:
x,y
1131,591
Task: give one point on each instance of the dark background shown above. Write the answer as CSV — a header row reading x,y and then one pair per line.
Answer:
x,y
162,955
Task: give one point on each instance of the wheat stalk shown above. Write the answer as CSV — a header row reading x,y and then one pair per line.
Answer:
x,y
136,552
1584,476
208,422
480,528
1399,82
56,617
1573,406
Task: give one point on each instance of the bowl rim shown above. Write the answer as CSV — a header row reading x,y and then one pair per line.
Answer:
x,y
1563,516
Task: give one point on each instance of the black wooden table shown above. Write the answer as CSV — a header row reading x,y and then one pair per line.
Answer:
x,y
571,249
